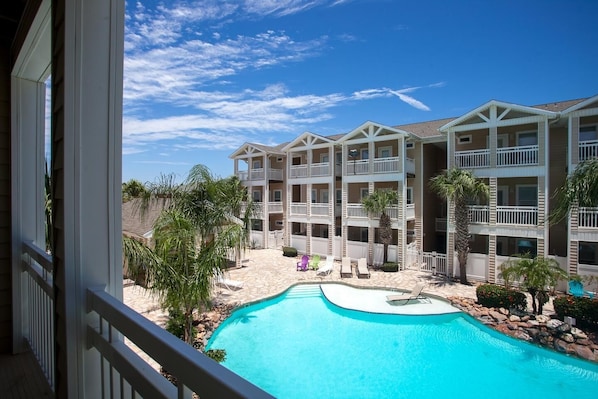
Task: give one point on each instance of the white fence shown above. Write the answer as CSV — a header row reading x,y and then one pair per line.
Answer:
x,y
319,246
319,209
356,249
588,149
298,171
478,214
433,262
520,215
588,217
320,169
517,156
386,165
472,159
299,243
379,254
298,208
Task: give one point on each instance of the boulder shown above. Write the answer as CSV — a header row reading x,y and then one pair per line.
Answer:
x,y
585,353
499,317
514,318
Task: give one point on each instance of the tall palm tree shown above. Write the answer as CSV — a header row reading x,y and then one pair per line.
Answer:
x,y
460,186
376,204
581,188
539,274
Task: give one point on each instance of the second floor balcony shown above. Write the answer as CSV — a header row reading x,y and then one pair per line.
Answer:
x,y
378,166
587,218
311,170
505,215
358,211
260,174
588,149
506,156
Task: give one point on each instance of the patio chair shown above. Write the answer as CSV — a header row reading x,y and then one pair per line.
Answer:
x,y
576,289
228,283
362,268
405,298
346,269
328,266
315,262
302,266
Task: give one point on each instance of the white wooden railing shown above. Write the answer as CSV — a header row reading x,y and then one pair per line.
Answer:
x,y
588,217
386,165
517,215
320,169
478,214
298,208
38,299
356,211
259,174
298,171
275,174
275,207
472,159
433,262
358,167
588,149
517,156
125,374
319,209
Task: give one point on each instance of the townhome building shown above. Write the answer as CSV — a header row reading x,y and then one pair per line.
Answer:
x,y
524,154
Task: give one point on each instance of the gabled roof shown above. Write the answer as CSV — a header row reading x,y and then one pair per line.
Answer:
x,y
480,114
371,129
254,148
424,130
137,223
308,140
582,103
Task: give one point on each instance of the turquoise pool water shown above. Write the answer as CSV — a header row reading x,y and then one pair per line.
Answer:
x,y
302,346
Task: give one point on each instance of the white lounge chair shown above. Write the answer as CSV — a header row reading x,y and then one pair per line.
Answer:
x,y
405,298
229,284
362,268
346,269
328,266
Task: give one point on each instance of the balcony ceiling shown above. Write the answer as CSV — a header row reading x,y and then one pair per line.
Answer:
x,y
10,15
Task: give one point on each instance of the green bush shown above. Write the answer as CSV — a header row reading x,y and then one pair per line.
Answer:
x,y
584,310
176,324
218,355
289,251
390,267
496,296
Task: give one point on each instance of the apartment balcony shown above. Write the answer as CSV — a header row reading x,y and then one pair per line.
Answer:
x,y
379,166
275,207
505,215
357,211
313,170
587,218
506,156
298,209
588,150
260,174
317,209
122,369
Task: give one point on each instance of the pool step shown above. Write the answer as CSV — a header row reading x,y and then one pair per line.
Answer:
x,y
305,291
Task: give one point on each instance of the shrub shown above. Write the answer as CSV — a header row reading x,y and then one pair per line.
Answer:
x,y
218,355
584,310
390,267
176,324
289,251
496,296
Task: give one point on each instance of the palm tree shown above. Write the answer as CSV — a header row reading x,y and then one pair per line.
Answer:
x,y
581,188
459,187
199,226
539,274
376,204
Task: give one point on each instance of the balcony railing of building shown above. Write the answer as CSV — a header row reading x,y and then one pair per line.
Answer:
x,y
319,209
123,373
506,156
588,217
298,208
259,174
320,169
357,211
505,215
588,150
380,166
38,299
275,207
298,171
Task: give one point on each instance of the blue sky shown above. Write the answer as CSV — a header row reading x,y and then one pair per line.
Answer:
x,y
203,77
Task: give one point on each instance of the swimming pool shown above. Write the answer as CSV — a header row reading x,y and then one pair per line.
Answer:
x,y
299,345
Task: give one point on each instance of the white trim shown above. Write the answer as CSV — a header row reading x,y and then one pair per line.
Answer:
x,y
274,195
464,139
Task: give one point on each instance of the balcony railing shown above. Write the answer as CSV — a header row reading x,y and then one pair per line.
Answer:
x,y
298,171
517,215
38,319
193,371
358,167
517,156
380,165
319,209
275,207
356,211
506,156
478,214
588,150
259,174
588,217
386,165
298,208
320,169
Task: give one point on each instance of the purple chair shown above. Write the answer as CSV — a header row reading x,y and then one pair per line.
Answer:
x,y
302,266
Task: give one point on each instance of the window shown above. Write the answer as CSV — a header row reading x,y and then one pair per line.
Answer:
x,y
364,192
314,195
502,196
365,154
527,195
279,223
257,196
409,145
587,133
527,138
324,158
257,164
338,156
409,195
363,231
324,196
464,139
384,152
339,196
277,195
279,159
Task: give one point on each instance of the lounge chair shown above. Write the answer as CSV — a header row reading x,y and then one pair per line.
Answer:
x,y
405,298
362,268
228,283
346,269
315,262
302,266
576,289
328,266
